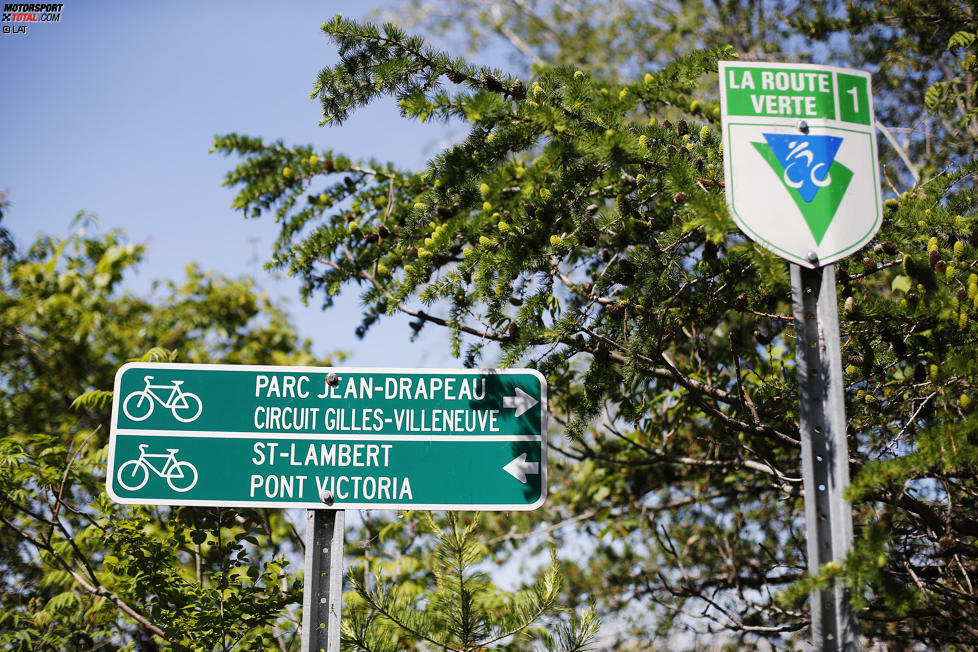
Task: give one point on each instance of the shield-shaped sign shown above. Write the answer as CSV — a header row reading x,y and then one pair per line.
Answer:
x,y
799,153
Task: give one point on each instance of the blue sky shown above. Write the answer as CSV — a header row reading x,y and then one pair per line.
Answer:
x,y
113,109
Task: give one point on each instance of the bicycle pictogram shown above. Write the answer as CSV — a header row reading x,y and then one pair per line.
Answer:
x,y
185,406
180,475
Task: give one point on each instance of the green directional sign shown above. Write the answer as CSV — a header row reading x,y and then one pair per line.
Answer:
x,y
261,436
800,164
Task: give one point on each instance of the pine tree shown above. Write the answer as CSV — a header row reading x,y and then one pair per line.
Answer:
x,y
580,228
462,612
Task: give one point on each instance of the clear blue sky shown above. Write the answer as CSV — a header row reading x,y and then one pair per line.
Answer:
x,y
113,109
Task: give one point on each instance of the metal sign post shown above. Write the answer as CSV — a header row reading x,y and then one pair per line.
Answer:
x,y
322,593
802,180
824,450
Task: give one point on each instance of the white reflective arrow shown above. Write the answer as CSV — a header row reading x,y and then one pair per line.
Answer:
x,y
519,467
522,402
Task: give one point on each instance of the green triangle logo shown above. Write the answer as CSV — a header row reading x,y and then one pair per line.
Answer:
x,y
820,209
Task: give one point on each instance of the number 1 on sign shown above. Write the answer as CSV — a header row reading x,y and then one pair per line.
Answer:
x,y
855,99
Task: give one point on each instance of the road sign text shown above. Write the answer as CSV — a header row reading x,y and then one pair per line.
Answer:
x,y
370,438
799,154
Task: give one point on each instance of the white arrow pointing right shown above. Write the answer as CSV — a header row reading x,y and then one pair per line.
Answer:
x,y
521,402
519,467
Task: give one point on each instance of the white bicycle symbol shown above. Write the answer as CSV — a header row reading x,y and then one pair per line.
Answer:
x,y
185,406
799,151
181,476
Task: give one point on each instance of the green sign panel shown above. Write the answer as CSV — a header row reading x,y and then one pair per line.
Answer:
x,y
796,91
799,151
239,435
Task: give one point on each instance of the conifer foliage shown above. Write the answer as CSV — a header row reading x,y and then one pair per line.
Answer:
x,y
580,228
462,612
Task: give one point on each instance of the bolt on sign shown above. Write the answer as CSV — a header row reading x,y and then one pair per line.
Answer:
x,y
262,436
799,154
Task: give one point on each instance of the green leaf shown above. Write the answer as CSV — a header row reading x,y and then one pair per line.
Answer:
x,y
961,40
934,95
901,283
94,399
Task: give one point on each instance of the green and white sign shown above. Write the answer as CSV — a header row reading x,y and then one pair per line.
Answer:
x,y
261,436
799,154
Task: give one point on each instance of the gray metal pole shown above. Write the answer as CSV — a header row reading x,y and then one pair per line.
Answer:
x,y
322,594
824,450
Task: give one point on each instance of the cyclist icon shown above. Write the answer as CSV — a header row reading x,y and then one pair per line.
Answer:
x,y
184,406
801,151
806,161
180,475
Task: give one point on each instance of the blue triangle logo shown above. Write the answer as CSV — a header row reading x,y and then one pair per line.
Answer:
x,y
806,161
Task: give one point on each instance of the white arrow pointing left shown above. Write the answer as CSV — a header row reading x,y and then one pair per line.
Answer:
x,y
521,402
519,467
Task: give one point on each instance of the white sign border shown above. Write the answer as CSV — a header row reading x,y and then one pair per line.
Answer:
x,y
519,507
791,123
